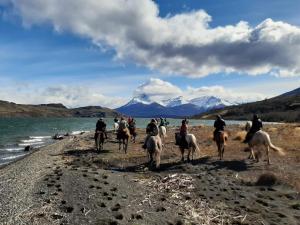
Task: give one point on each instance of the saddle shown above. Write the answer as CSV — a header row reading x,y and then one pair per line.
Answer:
x,y
180,142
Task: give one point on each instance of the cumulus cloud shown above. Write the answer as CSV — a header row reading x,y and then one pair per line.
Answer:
x,y
156,90
70,96
180,44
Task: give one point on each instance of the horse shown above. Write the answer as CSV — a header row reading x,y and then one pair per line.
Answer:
x,y
99,140
154,148
191,145
133,133
123,137
221,138
162,131
262,138
116,127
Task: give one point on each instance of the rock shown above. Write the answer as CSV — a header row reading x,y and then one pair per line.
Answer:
x,y
27,148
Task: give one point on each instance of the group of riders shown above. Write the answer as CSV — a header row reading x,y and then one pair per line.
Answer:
x,y
153,128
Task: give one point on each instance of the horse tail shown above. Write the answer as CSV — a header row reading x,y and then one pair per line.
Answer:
x,y
275,148
225,137
194,144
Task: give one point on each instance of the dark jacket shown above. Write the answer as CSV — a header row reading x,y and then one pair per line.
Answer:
x,y
152,129
256,125
101,126
219,124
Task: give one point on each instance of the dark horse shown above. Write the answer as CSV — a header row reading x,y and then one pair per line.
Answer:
x,y
221,137
123,137
99,140
132,131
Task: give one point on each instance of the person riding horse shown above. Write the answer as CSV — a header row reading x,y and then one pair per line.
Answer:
x,y
183,132
163,122
122,125
219,125
256,126
151,130
100,127
132,128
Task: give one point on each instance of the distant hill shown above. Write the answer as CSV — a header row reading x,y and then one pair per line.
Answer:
x,y
94,111
283,108
10,109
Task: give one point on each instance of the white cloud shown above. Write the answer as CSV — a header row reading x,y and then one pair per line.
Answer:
x,y
158,90
179,44
70,96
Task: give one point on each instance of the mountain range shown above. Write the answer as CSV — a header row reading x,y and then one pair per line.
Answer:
x,y
142,106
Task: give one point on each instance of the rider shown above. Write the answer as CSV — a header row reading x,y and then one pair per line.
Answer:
x,y
123,124
131,124
256,126
183,132
162,122
101,127
116,120
219,125
166,122
151,130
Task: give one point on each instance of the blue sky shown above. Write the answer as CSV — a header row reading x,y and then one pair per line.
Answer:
x,y
35,58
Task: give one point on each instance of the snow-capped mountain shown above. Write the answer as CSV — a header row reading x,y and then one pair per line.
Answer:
x,y
172,102
142,106
209,102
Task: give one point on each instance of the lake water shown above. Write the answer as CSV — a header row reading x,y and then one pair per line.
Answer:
x,y
16,133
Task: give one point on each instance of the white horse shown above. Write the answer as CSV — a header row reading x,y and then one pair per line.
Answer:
x,y
192,145
162,131
261,139
154,148
116,127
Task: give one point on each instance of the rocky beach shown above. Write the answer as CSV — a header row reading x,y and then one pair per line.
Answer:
x,y
68,182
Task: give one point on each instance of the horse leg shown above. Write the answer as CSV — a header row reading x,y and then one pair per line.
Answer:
x,y
182,154
157,159
268,150
188,157
120,143
126,145
219,150
193,151
223,150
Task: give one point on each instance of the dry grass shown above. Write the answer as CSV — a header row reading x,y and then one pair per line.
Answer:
x,y
240,136
272,129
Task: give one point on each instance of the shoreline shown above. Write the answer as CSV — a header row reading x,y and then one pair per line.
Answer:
x,y
68,182
78,133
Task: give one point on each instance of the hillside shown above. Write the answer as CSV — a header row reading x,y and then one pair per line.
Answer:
x,y
10,109
283,108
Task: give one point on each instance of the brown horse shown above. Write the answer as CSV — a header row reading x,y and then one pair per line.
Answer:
x,y
123,137
133,133
221,138
99,140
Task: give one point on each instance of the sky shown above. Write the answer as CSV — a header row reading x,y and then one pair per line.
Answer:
x,y
99,52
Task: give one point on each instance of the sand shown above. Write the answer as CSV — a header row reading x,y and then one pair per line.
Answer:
x,y
70,183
